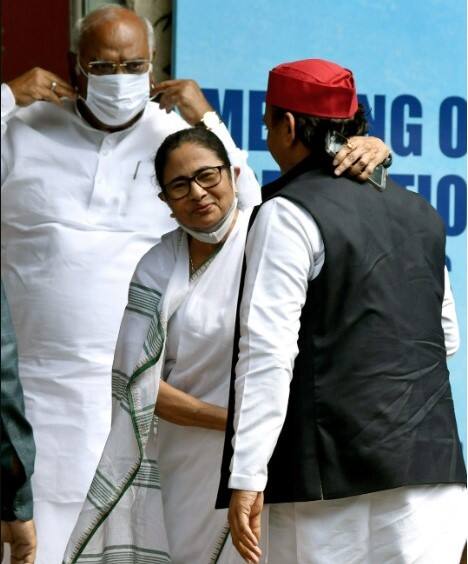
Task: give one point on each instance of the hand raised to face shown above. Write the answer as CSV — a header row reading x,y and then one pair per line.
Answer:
x,y
186,96
39,84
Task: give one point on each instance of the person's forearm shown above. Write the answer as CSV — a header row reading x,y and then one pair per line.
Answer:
x,y
180,408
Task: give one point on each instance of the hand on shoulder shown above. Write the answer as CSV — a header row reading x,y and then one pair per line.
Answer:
x,y
360,156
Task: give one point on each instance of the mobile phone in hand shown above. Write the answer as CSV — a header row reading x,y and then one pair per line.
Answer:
x,y
333,143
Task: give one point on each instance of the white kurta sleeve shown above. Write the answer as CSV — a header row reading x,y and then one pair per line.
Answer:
x,y
8,104
8,108
449,319
284,251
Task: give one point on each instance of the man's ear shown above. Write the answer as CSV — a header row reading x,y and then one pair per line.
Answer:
x,y
162,197
289,123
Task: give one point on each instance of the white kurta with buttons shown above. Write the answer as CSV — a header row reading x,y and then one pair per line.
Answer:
x,y
79,209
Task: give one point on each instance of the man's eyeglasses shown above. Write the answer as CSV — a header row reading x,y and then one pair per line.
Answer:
x,y
136,66
207,177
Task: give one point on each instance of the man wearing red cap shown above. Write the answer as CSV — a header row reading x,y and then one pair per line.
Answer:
x,y
342,419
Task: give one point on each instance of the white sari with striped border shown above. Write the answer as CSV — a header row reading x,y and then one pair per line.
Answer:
x,y
122,519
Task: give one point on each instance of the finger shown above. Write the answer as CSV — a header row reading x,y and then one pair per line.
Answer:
x,y
168,100
246,553
62,92
357,153
248,539
62,84
165,84
346,157
343,165
360,165
341,155
368,170
349,159
165,105
375,147
65,91
358,158
241,530
47,95
374,161
57,86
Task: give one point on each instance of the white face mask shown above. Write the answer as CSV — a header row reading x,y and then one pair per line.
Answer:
x,y
115,99
220,230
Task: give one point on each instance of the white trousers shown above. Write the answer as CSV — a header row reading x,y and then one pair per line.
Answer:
x,y
410,525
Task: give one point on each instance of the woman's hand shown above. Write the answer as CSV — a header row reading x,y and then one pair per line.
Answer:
x,y
180,408
360,156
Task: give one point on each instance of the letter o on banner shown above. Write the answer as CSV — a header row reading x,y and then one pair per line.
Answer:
x,y
452,127
451,203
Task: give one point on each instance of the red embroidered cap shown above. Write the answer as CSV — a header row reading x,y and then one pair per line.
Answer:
x,y
314,87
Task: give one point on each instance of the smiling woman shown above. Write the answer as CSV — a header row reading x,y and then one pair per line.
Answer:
x,y
197,183
173,358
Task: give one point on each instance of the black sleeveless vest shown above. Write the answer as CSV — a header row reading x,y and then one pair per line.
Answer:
x,y
370,404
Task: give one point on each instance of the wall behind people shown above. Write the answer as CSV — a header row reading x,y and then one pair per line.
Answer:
x,y
409,59
159,13
37,33
34,33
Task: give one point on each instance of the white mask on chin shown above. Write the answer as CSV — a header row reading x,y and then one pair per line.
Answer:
x,y
115,99
219,231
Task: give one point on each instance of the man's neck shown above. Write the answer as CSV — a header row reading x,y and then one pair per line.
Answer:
x,y
90,118
294,157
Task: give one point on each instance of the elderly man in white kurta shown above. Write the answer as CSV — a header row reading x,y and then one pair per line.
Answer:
x,y
79,209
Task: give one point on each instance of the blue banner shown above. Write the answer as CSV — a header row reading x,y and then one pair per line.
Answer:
x,y
409,61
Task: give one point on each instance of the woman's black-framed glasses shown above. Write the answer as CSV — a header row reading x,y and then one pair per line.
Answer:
x,y
207,177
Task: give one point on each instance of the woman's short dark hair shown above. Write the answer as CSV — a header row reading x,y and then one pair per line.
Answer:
x,y
198,136
312,131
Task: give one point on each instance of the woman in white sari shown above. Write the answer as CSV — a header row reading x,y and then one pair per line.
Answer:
x,y
177,328
153,496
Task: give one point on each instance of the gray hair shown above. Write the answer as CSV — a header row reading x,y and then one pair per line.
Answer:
x,y
106,12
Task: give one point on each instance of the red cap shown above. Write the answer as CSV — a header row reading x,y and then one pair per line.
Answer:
x,y
314,87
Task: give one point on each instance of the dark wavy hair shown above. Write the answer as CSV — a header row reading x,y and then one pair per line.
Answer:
x,y
198,135
312,131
